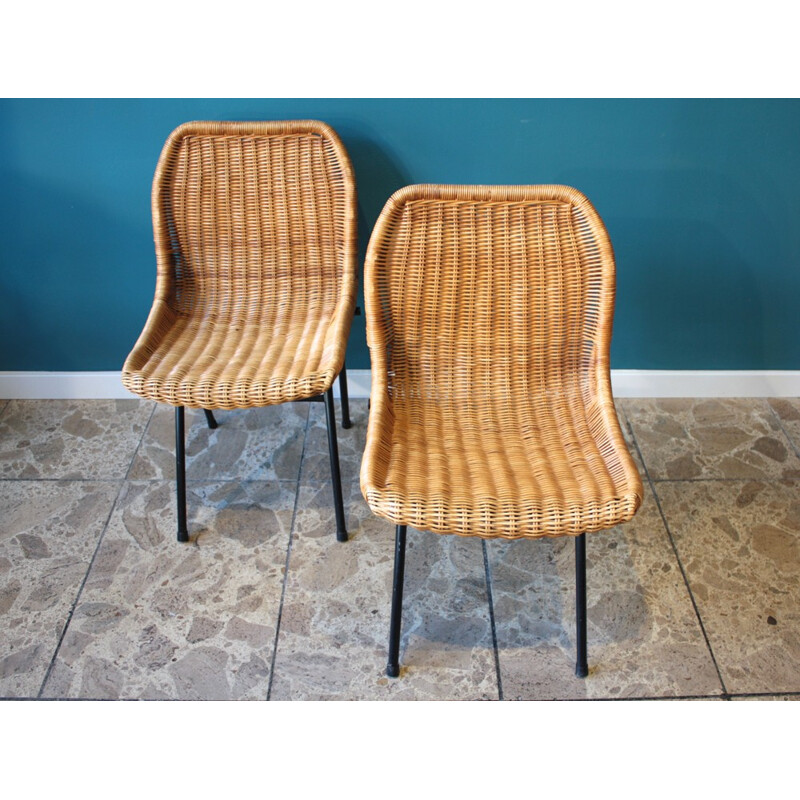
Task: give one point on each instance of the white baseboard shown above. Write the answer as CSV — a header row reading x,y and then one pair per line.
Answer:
x,y
108,385
625,383
705,383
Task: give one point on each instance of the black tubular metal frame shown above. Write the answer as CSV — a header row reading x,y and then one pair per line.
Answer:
x,y
180,473
346,422
581,662
393,664
212,423
333,449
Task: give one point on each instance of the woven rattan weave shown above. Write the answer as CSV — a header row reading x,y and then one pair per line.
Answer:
x,y
255,233
489,313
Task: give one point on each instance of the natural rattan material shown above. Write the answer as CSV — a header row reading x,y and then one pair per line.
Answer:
x,y
489,313
255,233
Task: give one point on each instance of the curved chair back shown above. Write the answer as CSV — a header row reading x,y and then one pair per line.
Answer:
x,y
489,289
241,208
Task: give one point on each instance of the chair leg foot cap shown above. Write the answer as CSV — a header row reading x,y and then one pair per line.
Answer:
x,y
347,424
341,536
581,670
183,536
393,670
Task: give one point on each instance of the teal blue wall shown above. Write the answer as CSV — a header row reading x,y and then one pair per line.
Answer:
x,y
701,199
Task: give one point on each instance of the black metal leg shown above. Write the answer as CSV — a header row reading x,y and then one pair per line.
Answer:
x,y
212,423
346,423
581,665
180,474
336,479
393,666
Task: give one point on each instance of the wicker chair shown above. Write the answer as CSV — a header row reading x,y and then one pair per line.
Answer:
x,y
489,312
255,233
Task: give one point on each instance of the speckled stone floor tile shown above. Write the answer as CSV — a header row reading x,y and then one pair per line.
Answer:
x,y
644,639
249,444
335,623
196,621
71,439
350,441
684,439
788,411
156,619
630,441
739,543
48,534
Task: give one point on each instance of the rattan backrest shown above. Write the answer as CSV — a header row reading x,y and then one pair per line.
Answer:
x,y
248,210
489,290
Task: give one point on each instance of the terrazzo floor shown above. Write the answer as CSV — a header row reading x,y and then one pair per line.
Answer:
x,y
697,597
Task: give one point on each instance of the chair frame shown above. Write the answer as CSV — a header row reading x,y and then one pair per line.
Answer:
x,y
398,578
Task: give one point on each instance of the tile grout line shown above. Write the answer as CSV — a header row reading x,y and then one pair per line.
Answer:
x,y
764,694
661,698
65,479
668,698
487,574
789,439
94,556
141,439
725,694
288,557
322,482
716,480
80,592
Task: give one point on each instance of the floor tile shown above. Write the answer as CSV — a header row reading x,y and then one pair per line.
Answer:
x,y
788,411
739,543
249,444
630,441
158,619
48,535
335,623
682,439
644,639
72,439
195,621
350,442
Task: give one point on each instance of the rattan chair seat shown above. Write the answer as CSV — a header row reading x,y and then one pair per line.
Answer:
x,y
488,319
531,469
274,354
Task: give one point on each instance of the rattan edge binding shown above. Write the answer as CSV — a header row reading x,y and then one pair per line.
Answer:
x,y
383,505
